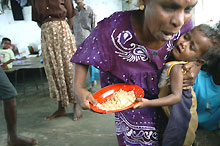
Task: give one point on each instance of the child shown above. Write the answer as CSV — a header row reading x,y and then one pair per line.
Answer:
x,y
7,55
192,46
207,89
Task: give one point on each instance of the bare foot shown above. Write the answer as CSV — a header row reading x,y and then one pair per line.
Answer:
x,y
22,142
77,112
58,113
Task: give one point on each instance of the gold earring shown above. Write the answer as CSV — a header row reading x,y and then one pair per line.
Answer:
x,y
141,7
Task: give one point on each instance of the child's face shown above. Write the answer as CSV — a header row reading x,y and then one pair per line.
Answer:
x,y
191,46
6,44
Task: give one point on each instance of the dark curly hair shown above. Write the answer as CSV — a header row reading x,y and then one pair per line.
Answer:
x,y
212,65
212,33
212,55
5,39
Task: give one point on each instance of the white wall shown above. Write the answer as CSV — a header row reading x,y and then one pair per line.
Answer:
x,y
104,8
207,10
24,33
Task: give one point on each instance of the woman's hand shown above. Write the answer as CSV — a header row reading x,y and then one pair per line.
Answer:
x,y
192,69
84,98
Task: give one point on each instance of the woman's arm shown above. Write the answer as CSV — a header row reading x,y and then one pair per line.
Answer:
x,y
70,12
84,96
176,84
192,69
70,22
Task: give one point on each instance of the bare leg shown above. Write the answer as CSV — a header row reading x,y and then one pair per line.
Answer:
x,y
59,113
10,117
77,112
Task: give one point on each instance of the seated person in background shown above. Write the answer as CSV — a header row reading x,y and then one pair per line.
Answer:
x,y
6,54
83,24
207,89
192,46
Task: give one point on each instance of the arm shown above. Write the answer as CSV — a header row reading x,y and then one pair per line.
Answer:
x,y
176,82
70,12
34,14
192,69
4,65
84,96
70,22
94,20
9,61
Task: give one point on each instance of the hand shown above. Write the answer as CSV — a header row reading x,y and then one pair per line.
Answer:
x,y
85,97
4,66
142,102
192,69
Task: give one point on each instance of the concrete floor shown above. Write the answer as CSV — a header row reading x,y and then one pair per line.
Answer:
x,y
92,130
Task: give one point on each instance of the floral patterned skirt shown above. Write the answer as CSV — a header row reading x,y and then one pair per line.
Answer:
x,y
58,46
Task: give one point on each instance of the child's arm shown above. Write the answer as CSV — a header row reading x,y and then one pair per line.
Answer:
x,y
9,61
4,65
176,83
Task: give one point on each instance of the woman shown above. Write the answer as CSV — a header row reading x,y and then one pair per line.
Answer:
x,y
132,47
58,45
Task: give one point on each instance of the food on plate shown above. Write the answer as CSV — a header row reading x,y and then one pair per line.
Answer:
x,y
118,100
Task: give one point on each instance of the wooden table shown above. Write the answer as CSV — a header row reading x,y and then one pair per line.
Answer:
x,y
31,62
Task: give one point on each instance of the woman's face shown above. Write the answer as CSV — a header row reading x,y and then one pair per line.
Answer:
x,y
164,18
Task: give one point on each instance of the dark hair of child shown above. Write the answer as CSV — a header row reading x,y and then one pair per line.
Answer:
x,y
212,65
5,39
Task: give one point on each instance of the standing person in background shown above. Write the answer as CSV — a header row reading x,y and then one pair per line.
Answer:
x,y
8,94
84,22
132,47
58,45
